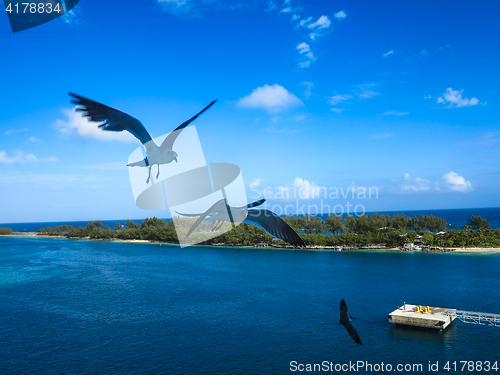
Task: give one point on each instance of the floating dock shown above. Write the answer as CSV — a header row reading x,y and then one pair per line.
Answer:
x,y
422,316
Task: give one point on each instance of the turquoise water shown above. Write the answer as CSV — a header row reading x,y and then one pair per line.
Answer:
x,y
456,219
89,307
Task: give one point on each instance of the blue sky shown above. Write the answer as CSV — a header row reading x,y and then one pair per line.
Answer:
x,y
319,96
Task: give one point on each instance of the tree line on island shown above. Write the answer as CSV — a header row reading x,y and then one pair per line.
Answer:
x,y
333,231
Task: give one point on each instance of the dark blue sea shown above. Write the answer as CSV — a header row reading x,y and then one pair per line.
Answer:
x,y
456,219
92,307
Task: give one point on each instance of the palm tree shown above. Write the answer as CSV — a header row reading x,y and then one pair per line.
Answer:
x,y
478,223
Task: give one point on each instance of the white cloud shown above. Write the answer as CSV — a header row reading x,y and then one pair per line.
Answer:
x,y
305,21
418,184
340,15
77,126
424,52
394,113
33,139
454,182
288,9
271,98
363,93
22,158
306,189
300,189
391,52
317,27
336,99
366,93
303,47
455,100
310,55
428,97
323,22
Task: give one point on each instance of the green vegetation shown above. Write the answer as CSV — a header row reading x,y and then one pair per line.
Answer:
x,y
5,231
362,231
150,229
479,224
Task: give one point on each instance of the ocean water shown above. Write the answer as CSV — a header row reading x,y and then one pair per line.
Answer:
x,y
456,219
33,227
92,307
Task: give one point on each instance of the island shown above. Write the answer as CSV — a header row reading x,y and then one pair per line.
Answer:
x,y
376,231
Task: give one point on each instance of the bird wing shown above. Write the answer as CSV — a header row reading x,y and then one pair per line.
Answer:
x,y
168,142
202,216
250,205
345,321
343,309
114,120
188,215
274,225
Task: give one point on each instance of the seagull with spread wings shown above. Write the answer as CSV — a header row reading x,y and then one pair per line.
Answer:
x,y
221,212
346,322
117,121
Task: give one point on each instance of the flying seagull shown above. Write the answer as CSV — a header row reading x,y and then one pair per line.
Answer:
x,y
346,322
221,212
117,121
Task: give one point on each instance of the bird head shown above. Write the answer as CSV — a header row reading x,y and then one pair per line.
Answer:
x,y
173,155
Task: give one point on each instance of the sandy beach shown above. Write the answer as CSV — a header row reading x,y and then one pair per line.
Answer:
x,y
477,250
469,250
35,234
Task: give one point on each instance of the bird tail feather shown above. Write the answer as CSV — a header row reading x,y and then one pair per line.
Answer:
x,y
141,163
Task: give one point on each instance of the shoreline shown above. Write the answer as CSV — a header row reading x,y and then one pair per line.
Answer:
x,y
459,250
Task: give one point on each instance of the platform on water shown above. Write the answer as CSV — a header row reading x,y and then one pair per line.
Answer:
x,y
421,316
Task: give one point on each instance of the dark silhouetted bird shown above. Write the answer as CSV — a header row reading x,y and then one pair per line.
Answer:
x,y
221,212
346,322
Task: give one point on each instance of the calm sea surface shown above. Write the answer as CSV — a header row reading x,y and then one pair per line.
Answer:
x,y
89,307
456,219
